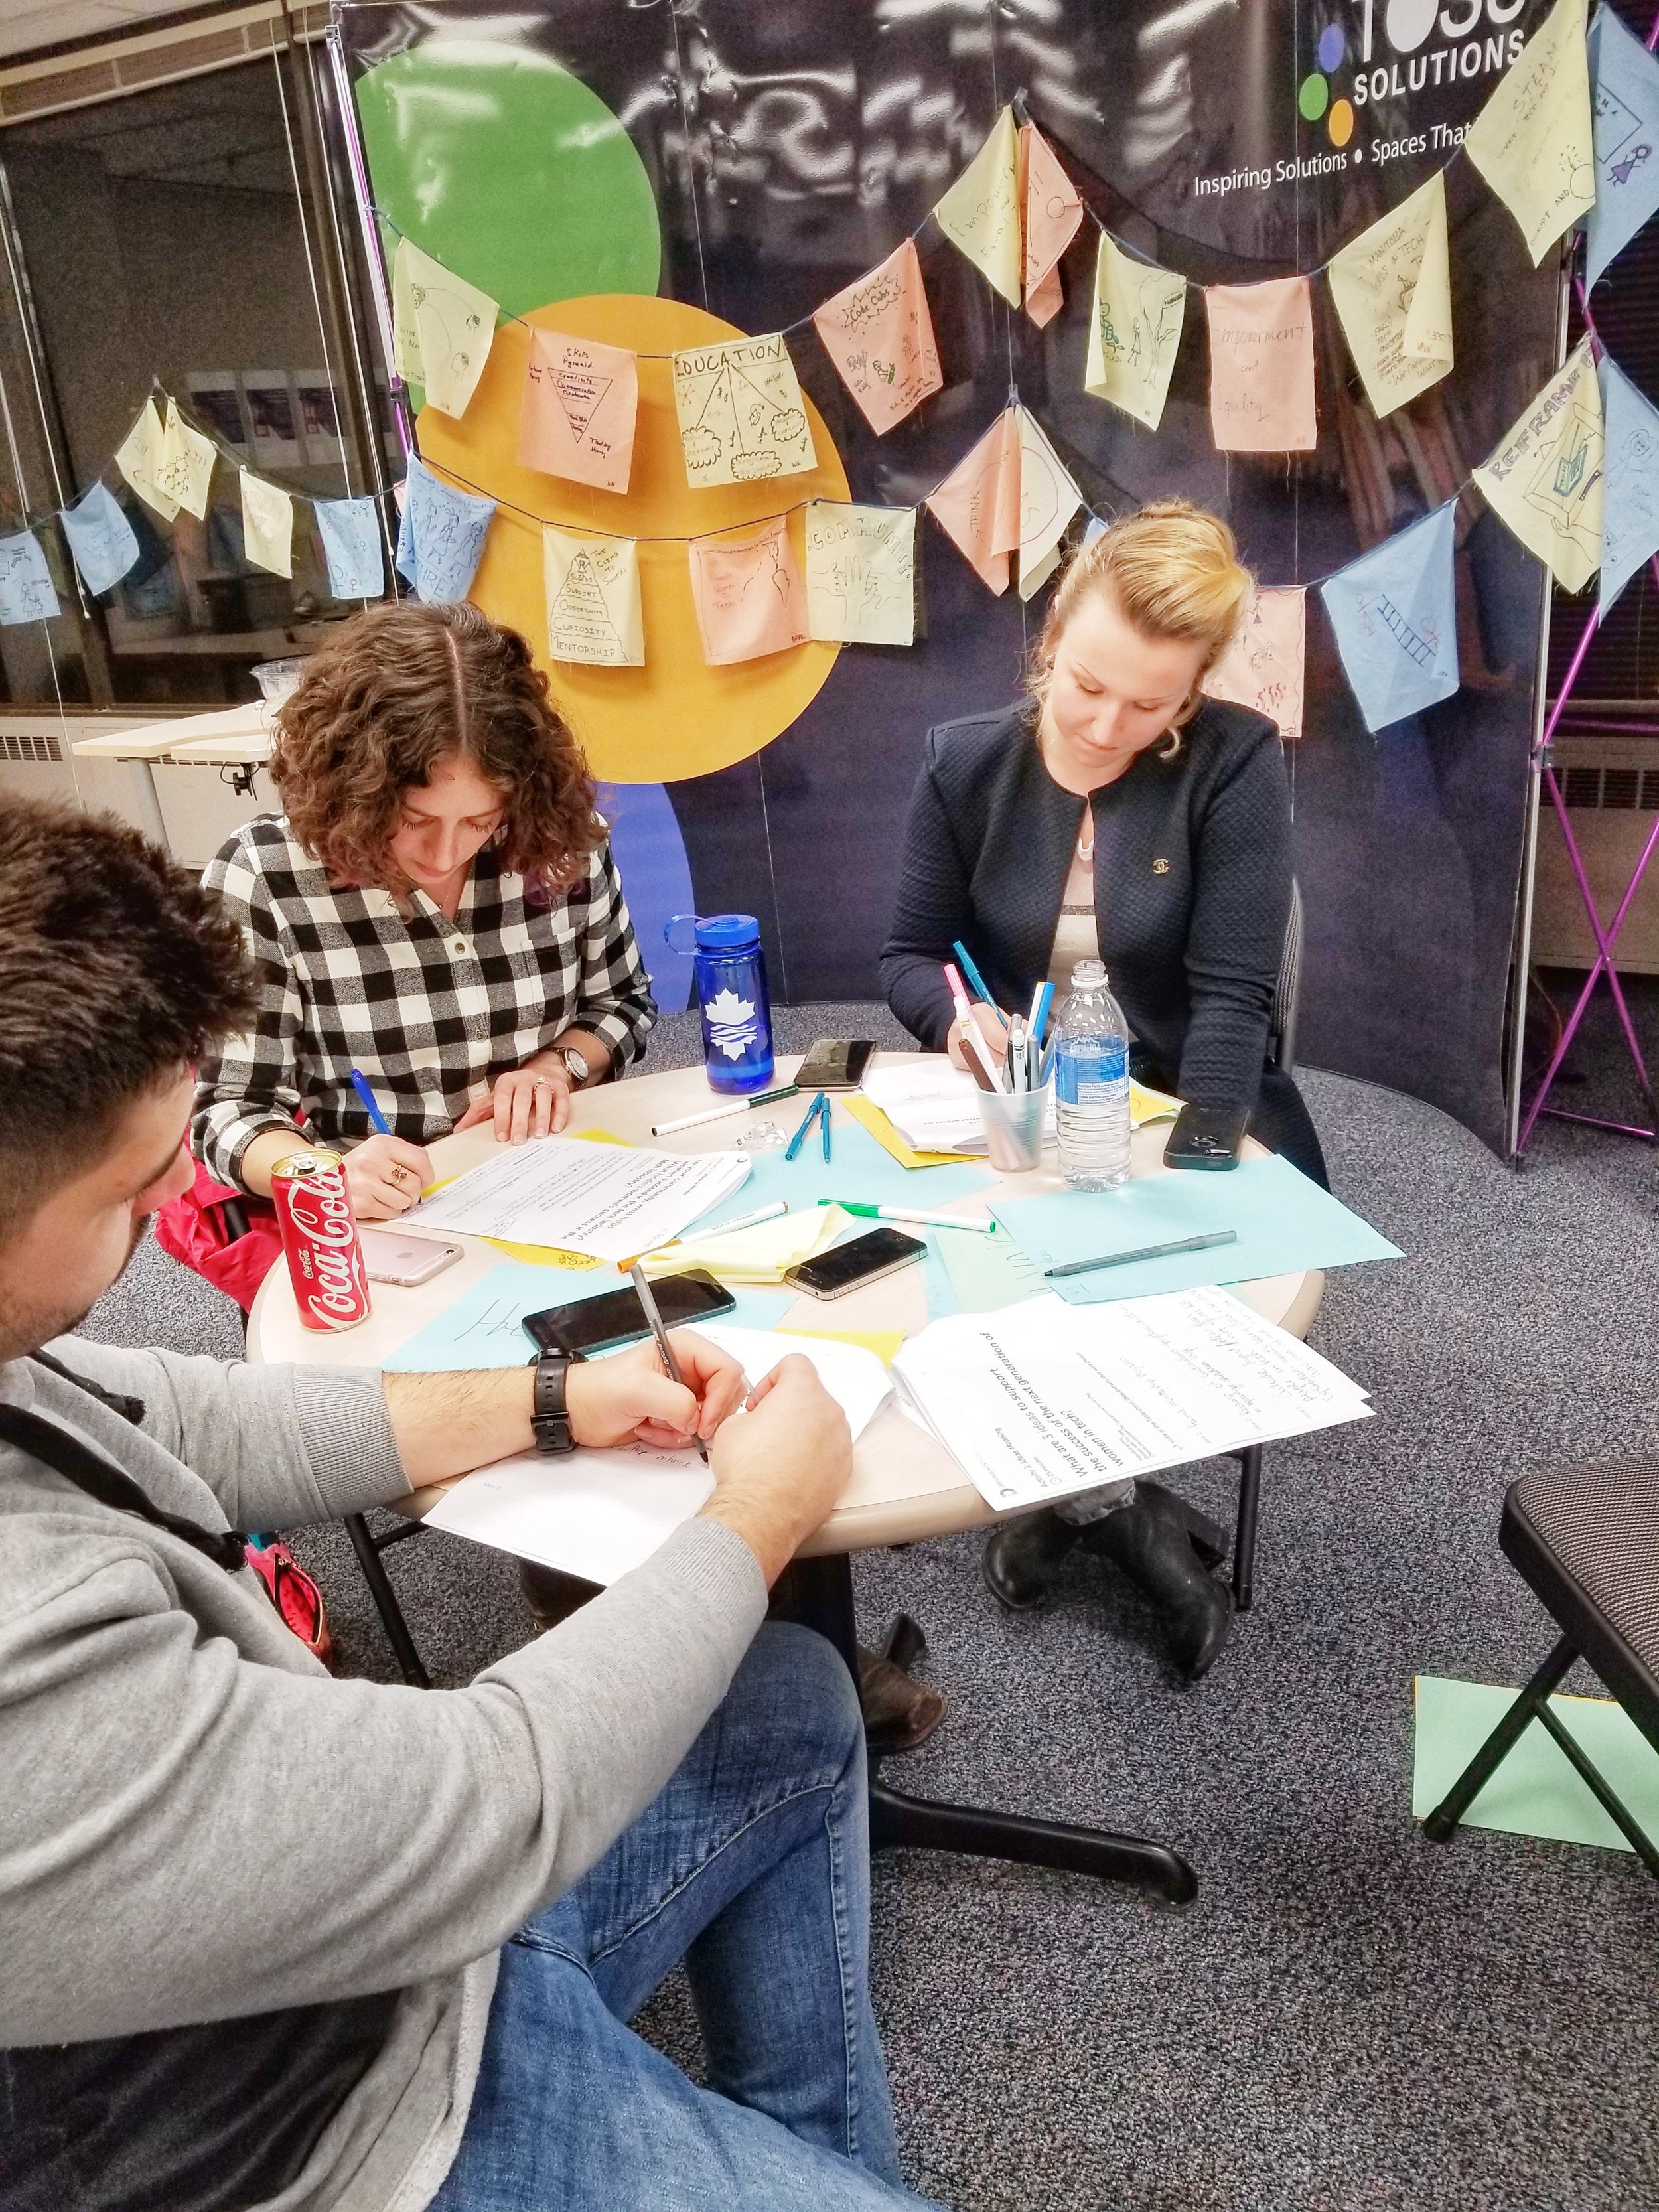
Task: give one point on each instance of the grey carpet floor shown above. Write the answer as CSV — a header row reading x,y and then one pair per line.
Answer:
x,y
1348,2017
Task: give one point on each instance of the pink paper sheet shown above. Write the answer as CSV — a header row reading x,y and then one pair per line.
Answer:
x,y
1263,667
880,336
580,401
978,506
1052,215
750,594
1262,366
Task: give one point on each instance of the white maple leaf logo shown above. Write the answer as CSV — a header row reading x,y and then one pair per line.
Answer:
x,y
731,1023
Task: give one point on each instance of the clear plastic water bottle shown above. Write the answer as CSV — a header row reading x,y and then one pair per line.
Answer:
x,y
1091,1083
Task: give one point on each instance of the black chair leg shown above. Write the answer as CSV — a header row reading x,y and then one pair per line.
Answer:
x,y
1249,1493
385,1598
1529,1706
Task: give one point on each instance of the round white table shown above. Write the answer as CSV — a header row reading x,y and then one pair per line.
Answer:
x,y
904,1486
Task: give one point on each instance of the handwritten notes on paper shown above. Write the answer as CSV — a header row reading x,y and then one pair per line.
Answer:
x,y
1624,125
1630,517
1262,366
1134,328
440,534
267,525
1392,288
1054,214
351,532
580,399
610,1202
1047,501
593,613
880,336
26,585
442,328
740,412
1533,142
749,593
101,540
184,463
980,214
1395,613
138,457
861,574
1545,479
1264,666
1011,494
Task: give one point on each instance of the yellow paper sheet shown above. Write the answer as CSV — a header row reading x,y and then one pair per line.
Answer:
x,y
580,401
741,414
184,467
1532,140
758,1254
869,1115
442,328
861,574
1054,214
749,593
1146,1105
1134,330
267,525
1546,478
592,586
138,457
885,1343
880,336
1047,501
1392,288
980,214
1264,666
1262,366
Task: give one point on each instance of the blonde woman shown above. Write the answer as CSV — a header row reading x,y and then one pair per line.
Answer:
x,y
1118,814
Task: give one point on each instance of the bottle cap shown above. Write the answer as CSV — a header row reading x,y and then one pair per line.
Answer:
x,y
712,933
1086,974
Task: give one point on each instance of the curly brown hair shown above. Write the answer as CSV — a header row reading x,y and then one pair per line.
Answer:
x,y
397,689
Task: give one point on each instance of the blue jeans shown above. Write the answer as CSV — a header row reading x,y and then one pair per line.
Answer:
x,y
753,1866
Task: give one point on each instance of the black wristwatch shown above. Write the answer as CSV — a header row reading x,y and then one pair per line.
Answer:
x,y
550,1417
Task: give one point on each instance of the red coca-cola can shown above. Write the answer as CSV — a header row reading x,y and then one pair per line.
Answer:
x,y
320,1237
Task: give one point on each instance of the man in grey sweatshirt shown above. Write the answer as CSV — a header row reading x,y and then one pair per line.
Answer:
x,y
267,1939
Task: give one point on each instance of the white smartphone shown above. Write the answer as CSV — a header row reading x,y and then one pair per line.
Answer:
x,y
391,1255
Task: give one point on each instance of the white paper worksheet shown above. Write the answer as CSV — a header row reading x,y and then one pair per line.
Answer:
x,y
609,1200
1043,1399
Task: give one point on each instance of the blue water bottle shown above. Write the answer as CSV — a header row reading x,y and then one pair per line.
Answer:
x,y
736,1012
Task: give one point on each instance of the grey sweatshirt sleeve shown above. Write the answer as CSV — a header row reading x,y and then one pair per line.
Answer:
x,y
204,1836
279,1447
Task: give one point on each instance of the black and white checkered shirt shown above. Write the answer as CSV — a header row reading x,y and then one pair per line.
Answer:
x,y
431,1011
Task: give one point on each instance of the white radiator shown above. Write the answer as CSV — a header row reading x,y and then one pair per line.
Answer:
x,y
1611,786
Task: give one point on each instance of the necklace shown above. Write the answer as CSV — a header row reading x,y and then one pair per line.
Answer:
x,y
1085,853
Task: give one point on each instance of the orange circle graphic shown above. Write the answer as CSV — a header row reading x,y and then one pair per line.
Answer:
x,y
675,717
1340,123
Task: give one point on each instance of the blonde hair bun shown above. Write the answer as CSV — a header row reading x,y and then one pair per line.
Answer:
x,y
1173,569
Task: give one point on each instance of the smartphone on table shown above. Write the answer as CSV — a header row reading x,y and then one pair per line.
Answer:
x,y
834,1064
617,1317
850,1266
1205,1136
391,1255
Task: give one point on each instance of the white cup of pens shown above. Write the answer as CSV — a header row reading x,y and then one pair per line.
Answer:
x,y
1016,1088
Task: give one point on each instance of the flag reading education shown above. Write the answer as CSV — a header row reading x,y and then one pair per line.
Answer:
x,y
581,400
880,336
861,574
442,328
593,611
100,538
440,534
1629,507
980,214
1546,479
1395,613
740,412
1533,142
1054,215
351,532
1134,328
1264,666
1624,124
749,593
1392,288
1262,366
26,588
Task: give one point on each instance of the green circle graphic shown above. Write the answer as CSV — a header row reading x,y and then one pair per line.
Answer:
x,y
499,163
1312,97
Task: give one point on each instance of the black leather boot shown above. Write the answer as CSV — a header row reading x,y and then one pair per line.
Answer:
x,y
1167,1548
1023,1559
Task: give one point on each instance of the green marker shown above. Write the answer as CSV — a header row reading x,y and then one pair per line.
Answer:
x,y
910,1213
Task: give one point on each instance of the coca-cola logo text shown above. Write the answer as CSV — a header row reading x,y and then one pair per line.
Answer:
x,y
321,1212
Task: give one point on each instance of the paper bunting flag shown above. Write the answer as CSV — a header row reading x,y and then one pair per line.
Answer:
x,y
749,594
1532,140
184,463
980,214
880,336
1392,288
26,585
101,540
267,525
441,535
138,458
740,412
593,612
861,574
1546,478
580,402
1264,666
1624,98
1011,494
351,532
442,328
1047,501
1629,507
1262,366
1134,329
1394,612
1054,214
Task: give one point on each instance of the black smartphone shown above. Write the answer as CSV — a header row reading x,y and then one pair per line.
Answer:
x,y
1205,1136
834,1064
599,1324
850,1266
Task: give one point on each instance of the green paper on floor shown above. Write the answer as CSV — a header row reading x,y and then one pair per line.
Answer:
x,y
1535,1791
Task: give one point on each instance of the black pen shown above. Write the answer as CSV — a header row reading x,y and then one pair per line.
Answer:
x,y
663,1344
1144,1252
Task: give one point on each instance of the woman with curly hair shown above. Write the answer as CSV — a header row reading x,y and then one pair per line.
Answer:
x,y
436,906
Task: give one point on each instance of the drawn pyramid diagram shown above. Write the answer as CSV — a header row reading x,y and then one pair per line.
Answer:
x,y
579,618
581,395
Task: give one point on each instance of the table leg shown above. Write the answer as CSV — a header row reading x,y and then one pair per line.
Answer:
x,y
818,1594
1249,1493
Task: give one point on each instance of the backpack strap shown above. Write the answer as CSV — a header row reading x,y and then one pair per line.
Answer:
x,y
130,1409
101,1478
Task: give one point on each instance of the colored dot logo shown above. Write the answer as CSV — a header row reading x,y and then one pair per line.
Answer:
x,y
1313,97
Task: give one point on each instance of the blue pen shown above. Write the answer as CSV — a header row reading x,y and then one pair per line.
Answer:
x,y
825,1102
1045,1000
975,979
359,1085
794,1144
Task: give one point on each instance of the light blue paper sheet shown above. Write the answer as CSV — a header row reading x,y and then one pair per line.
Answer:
x,y
1630,509
1624,98
1285,1223
26,588
942,1297
484,1327
1394,614
859,1169
101,540
440,538
351,532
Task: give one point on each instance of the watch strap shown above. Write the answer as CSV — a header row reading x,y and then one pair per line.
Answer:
x,y
550,1416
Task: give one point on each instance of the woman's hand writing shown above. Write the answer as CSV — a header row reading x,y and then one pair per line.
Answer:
x,y
991,1027
386,1175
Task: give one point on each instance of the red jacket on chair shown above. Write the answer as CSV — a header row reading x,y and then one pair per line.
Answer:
x,y
194,1230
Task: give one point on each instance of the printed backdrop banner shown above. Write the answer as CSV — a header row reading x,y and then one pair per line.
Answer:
x,y
809,145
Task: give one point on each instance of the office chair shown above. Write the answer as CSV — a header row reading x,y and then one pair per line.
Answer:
x,y
1586,1540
